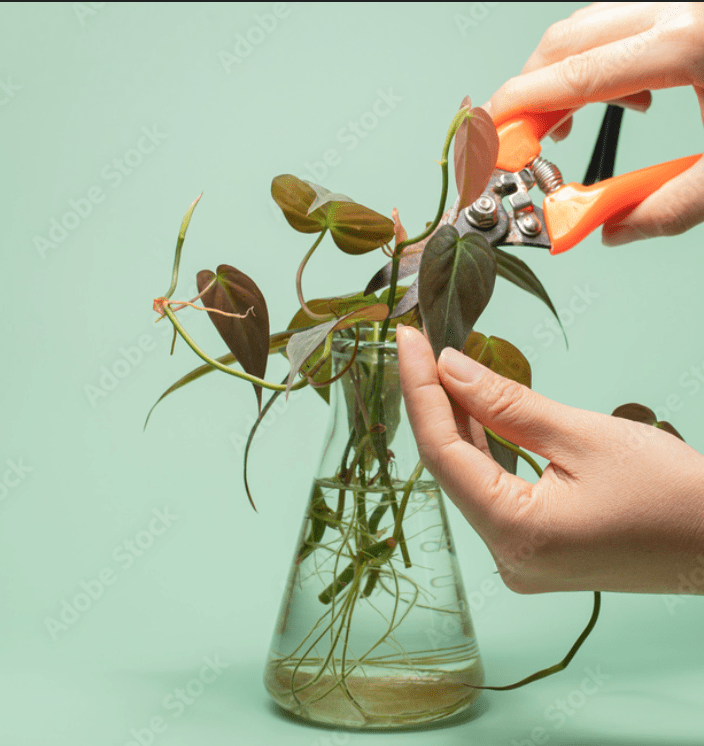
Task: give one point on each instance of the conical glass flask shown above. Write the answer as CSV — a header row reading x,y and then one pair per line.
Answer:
x,y
374,628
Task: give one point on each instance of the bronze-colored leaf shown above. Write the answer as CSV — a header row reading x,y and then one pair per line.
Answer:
x,y
294,196
476,151
357,229
500,356
408,304
337,306
245,328
456,280
409,317
641,413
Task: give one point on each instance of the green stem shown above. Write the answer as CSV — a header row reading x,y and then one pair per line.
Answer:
x,y
451,132
518,451
299,275
179,245
407,489
224,368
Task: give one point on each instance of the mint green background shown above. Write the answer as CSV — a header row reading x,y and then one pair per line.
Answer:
x,y
91,78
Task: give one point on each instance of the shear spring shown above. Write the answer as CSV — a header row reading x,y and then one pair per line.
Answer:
x,y
547,175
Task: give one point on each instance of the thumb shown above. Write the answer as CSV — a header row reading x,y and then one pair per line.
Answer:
x,y
510,409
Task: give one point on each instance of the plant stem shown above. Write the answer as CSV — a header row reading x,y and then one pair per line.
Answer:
x,y
224,368
299,275
518,451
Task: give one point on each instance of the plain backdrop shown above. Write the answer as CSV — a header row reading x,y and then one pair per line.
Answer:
x,y
113,118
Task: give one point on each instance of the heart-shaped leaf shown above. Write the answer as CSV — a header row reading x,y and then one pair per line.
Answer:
x,y
247,334
303,344
515,270
641,413
476,152
295,196
456,281
357,229
500,356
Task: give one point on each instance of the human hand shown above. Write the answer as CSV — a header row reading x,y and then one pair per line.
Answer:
x,y
620,507
609,52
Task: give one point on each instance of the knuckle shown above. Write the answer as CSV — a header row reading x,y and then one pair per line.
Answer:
x,y
579,74
672,219
505,399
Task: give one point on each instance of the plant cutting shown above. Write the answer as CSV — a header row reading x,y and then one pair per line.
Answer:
x,y
374,628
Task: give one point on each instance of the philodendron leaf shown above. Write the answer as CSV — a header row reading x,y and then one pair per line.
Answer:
x,y
295,196
503,358
247,337
354,228
476,152
500,356
303,344
456,280
408,303
357,229
515,270
641,413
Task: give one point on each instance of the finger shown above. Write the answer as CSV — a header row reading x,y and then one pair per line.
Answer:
x,y
673,209
636,101
512,410
467,475
561,132
610,72
578,34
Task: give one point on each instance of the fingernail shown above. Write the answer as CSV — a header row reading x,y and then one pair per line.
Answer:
x,y
618,235
460,367
401,332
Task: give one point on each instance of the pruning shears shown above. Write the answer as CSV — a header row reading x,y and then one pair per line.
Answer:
x,y
569,212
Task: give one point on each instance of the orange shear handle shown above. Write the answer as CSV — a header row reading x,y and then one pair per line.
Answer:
x,y
573,211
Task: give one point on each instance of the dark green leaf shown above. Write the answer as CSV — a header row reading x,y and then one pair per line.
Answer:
x,y
476,152
407,318
408,303
641,413
456,280
515,270
248,337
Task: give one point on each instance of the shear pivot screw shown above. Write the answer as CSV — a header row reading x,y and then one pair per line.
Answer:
x,y
529,224
483,213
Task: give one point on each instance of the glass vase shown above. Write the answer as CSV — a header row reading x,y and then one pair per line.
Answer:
x,y
374,629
